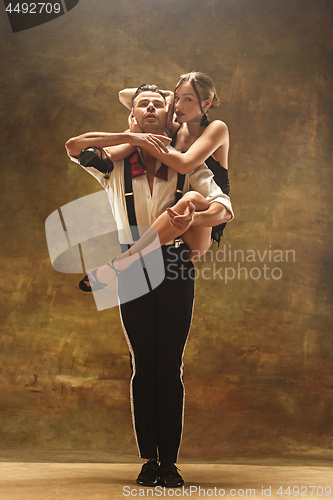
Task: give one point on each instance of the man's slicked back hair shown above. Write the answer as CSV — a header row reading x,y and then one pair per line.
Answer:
x,y
146,88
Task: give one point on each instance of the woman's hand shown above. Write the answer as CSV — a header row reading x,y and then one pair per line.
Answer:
x,y
170,110
184,221
133,124
148,141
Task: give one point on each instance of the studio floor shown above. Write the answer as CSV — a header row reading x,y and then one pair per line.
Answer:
x,y
100,481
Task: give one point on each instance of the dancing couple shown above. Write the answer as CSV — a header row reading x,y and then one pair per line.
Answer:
x,y
162,182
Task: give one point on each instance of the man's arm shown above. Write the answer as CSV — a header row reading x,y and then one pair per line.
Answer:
x,y
213,216
220,209
75,145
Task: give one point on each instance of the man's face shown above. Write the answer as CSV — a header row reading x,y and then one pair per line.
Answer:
x,y
149,111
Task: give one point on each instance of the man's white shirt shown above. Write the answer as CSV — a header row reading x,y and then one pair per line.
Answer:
x,y
149,206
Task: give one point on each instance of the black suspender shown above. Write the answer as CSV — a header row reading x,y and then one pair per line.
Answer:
x,y
180,187
129,197
179,194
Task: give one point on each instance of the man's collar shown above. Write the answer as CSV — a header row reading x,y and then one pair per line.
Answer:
x,y
138,167
162,172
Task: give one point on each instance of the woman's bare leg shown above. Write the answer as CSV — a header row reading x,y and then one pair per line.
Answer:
x,y
199,240
159,234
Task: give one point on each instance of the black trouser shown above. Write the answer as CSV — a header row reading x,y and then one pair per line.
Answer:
x,y
157,326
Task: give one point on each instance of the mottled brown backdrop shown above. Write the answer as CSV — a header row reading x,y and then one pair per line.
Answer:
x,y
258,365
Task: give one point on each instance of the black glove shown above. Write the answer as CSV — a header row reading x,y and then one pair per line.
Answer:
x,y
93,157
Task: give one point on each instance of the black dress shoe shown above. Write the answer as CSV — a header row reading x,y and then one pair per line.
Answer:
x,y
149,474
169,476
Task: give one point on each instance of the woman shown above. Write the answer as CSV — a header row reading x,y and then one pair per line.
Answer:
x,y
196,140
194,94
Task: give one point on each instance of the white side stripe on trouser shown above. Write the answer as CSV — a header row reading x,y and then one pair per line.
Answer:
x,y
133,375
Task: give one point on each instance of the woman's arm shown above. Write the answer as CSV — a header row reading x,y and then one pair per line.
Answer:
x,y
125,97
214,136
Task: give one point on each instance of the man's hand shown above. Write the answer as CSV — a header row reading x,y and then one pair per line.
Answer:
x,y
182,222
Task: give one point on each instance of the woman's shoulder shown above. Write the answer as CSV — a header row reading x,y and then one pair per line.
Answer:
x,y
217,131
217,125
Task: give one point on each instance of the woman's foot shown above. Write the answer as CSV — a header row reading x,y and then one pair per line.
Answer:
x,y
99,278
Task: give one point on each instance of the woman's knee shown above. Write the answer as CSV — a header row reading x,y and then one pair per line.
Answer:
x,y
197,199
193,196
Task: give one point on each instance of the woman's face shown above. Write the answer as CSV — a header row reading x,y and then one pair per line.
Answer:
x,y
187,107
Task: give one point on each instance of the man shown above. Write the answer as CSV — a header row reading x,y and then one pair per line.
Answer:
x,y
156,325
